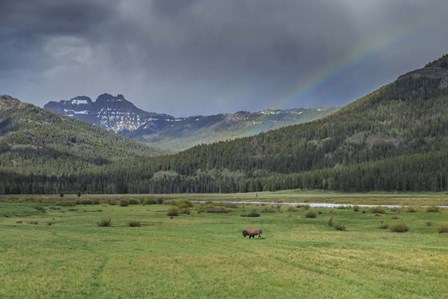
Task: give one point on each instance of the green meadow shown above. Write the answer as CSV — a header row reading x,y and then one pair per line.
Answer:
x,y
53,247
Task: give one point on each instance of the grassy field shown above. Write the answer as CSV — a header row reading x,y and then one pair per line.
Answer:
x,y
204,255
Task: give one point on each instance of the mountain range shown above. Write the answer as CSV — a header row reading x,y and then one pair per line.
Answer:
x,y
169,133
393,139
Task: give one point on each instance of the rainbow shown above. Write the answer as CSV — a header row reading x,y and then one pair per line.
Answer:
x,y
317,80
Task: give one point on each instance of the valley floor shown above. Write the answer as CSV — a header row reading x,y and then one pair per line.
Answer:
x,y
204,255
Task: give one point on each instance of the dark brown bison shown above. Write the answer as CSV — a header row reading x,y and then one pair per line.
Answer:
x,y
252,232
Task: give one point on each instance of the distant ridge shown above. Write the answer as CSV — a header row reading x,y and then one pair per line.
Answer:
x,y
166,132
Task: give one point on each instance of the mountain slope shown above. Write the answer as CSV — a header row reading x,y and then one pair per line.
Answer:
x,y
175,134
35,141
183,133
393,139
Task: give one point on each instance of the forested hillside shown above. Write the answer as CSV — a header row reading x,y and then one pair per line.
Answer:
x,y
395,138
35,142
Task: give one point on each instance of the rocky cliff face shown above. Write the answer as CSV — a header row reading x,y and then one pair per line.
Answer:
x,y
113,113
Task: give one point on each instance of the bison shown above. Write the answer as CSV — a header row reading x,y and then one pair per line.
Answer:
x,y
252,232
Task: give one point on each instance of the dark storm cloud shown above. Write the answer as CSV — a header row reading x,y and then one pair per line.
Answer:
x,y
188,57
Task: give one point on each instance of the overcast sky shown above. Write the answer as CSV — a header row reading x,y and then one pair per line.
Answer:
x,y
189,57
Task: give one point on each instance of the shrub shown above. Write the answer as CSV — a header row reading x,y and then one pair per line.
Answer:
x,y
184,203
330,222
292,209
356,208
399,228
160,201
124,202
339,227
173,212
363,211
96,201
112,202
134,224
33,222
268,209
443,228
395,217
253,213
134,201
384,225
305,207
51,223
185,211
19,221
216,210
411,210
311,214
78,194
151,201
428,223
105,222
433,209
377,210
66,203
61,194
86,202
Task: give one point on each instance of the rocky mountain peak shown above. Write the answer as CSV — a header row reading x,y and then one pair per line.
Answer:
x,y
80,100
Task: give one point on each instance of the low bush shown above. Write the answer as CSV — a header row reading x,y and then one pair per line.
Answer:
x,y
134,224
134,201
339,227
356,208
330,222
66,203
399,228
51,223
151,201
311,214
105,222
428,223
433,209
208,208
292,209
185,211
411,210
384,225
268,209
395,217
253,213
85,202
124,202
33,222
184,203
160,200
443,228
377,210
173,212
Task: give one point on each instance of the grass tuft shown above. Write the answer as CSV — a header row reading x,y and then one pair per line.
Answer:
x,y
134,223
443,228
399,228
311,214
105,222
